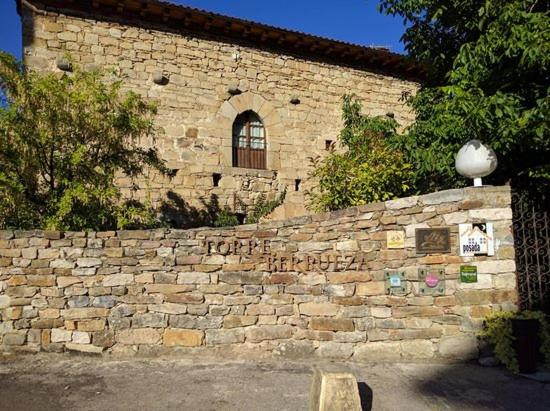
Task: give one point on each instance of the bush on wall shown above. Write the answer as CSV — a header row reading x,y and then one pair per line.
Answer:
x,y
63,138
369,169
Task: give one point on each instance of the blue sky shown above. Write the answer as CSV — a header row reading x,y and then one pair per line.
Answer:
x,y
355,21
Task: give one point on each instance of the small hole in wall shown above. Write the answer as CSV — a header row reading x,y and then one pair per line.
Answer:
x,y
297,183
240,217
329,145
216,177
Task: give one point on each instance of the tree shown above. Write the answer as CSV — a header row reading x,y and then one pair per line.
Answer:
x,y
369,169
63,140
487,78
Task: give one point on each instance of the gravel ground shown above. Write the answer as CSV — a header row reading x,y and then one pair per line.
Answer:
x,y
67,382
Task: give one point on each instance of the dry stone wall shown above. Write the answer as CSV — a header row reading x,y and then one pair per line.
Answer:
x,y
308,286
197,112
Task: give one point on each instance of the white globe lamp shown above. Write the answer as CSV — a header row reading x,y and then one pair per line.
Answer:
x,y
475,160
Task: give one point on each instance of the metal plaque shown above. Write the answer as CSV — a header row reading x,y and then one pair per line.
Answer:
x,y
396,283
433,240
431,281
468,274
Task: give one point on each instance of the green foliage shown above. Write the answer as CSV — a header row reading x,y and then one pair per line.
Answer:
x,y
263,207
225,218
63,139
488,79
370,169
498,332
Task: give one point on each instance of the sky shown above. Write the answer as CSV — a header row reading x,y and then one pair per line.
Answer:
x,y
355,21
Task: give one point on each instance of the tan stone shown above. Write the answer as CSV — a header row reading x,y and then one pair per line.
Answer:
x,y
91,325
184,338
319,309
268,332
84,313
233,321
332,324
370,288
334,391
138,336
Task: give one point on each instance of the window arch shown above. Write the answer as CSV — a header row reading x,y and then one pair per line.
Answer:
x,y
249,145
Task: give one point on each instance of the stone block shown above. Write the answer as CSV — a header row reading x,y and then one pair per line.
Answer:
x,y
334,350
268,332
168,308
59,335
332,324
152,320
378,351
84,313
105,338
234,321
81,337
417,349
319,309
85,348
104,301
90,325
216,337
370,288
118,279
193,278
14,338
334,391
137,336
185,338
88,262
459,347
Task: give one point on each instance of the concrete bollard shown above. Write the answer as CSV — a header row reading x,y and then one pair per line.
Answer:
x,y
334,391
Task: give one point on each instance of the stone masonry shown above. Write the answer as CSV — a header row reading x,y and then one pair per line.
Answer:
x,y
285,288
196,110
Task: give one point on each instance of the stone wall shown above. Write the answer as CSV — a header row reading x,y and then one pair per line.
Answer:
x,y
196,110
308,286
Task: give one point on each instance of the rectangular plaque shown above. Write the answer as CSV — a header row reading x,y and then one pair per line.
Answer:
x,y
431,281
396,283
395,239
433,240
468,274
476,239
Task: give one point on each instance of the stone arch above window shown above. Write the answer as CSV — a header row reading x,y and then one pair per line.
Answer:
x,y
249,144
236,106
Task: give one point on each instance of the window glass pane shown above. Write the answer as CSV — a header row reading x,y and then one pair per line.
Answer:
x,y
256,132
257,143
242,141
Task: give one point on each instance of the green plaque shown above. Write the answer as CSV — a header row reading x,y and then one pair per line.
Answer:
x,y
468,274
396,283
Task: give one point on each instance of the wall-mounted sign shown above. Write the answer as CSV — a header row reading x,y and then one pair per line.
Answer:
x,y
476,239
432,281
395,239
433,240
396,283
468,274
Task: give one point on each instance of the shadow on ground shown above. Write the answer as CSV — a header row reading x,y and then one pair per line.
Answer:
x,y
60,382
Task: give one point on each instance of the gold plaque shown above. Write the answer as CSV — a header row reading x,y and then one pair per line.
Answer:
x,y
395,239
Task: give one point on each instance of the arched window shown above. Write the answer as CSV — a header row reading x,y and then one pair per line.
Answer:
x,y
249,141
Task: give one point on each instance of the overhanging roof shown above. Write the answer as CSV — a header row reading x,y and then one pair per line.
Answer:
x,y
204,23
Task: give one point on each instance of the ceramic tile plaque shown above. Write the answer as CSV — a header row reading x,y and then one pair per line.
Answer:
x,y
433,240
395,239
396,283
476,239
431,281
468,274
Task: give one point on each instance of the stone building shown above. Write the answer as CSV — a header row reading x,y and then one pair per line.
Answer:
x,y
243,105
